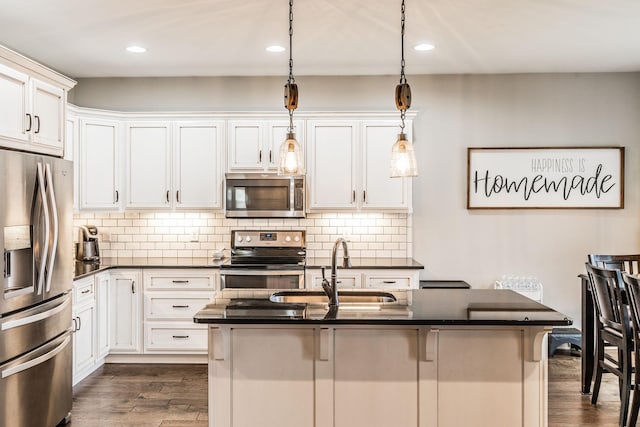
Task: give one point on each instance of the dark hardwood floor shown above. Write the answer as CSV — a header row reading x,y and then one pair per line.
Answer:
x,y
176,395
142,395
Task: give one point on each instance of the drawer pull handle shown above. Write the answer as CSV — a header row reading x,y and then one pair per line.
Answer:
x,y
180,306
180,281
338,281
86,291
180,337
389,281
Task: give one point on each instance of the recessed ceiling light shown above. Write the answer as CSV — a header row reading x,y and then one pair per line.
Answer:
x,y
136,49
275,49
423,47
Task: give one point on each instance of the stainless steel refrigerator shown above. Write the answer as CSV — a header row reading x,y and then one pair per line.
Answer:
x,y
36,194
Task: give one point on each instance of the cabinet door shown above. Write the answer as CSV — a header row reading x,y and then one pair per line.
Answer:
x,y
246,146
102,314
48,108
148,165
198,165
379,190
273,373
99,169
332,155
375,370
125,308
13,104
84,338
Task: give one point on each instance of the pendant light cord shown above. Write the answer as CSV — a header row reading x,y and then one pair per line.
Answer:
x,y
403,78
291,78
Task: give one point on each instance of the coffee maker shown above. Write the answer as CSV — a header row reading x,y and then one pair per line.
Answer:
x,y
88,249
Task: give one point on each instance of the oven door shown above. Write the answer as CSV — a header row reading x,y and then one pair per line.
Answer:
x,y
248,278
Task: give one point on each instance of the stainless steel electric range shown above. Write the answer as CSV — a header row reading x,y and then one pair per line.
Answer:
x,y
265,260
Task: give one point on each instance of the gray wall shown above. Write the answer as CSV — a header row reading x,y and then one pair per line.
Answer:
x,y
455,112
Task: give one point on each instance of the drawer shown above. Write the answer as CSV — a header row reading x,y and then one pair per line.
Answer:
x,y
180,279
83,291
344,282
162,305
388,282
175,337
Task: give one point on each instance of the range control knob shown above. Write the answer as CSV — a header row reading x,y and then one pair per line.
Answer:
x,y
239,238
287,238
297,238
248,239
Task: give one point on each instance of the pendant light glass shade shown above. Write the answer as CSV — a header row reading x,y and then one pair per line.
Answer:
x,y
403,158
291,160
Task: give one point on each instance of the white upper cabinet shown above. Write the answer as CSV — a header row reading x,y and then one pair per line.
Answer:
x,y
14,87
48,109
174,164
32,105
349,166
148,154
379,190
246,145
99,164
197,166
253,145
332,164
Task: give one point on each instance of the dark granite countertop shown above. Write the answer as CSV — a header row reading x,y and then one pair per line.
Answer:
x,y
477,307
83,269
368,263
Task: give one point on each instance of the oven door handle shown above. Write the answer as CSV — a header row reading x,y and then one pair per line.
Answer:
x,y
253,272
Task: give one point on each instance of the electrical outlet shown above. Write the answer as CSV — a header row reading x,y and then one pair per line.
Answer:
x,y
195,236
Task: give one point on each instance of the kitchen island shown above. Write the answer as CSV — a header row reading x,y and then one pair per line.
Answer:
x,y
445,358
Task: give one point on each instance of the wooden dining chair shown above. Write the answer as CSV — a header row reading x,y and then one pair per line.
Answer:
x,y
626,263
614,329
632,286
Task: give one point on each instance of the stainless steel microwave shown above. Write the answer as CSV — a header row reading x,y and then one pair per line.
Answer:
x,y
264,196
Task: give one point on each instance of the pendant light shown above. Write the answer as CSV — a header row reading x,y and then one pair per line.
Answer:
x,y
403,157
291,161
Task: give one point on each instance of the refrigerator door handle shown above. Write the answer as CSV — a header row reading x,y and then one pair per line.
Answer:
x,y
45,247
41,312
54,218
36,361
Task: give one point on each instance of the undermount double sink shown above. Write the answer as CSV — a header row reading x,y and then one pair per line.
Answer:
x,y
344,297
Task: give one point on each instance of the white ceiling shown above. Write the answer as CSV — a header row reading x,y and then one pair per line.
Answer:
x,y
86,38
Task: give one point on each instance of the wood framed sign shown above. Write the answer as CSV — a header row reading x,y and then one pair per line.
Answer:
x,y
545,178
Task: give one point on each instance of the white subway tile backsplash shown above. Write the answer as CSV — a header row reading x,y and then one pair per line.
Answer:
x,y
171,234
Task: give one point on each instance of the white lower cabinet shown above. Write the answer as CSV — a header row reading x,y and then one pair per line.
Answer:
x,y
125,312
102,283
90,299
389,279
171,299
377,376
